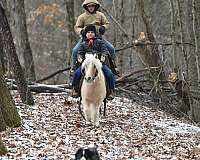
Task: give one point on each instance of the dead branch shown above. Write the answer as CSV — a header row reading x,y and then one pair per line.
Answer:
x,y
134,72
53,74
118,24
136,43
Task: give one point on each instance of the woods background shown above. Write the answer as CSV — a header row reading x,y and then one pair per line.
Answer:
x,y
44,36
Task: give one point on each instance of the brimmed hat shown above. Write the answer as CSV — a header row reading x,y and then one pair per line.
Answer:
x,y
90,28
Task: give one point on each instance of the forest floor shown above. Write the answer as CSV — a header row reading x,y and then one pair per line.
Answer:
x,y
53,129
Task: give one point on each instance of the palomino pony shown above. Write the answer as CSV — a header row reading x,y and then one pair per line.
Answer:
x,y
93,90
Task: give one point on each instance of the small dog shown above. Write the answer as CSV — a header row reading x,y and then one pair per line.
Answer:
x,y
89,153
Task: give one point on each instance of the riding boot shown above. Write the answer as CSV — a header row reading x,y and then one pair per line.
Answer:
x,y
74,93
115,66
111,96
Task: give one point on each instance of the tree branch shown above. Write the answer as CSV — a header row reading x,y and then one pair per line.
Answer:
x,y
116,22
53,74
136,43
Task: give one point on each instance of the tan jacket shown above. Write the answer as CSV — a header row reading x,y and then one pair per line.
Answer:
x,y
98,18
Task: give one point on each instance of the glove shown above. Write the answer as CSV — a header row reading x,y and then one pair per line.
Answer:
x,y
102,30
83,33
117,71
71,72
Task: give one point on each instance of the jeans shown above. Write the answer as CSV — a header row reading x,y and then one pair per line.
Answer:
x,y
75,52
110,78
109,46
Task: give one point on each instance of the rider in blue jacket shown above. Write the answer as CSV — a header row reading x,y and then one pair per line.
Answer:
x,y
92,44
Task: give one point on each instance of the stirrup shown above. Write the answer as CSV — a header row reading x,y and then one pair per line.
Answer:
x,y
74,94
111,96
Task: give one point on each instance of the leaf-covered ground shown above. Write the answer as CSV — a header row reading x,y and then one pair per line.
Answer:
x,y
53,129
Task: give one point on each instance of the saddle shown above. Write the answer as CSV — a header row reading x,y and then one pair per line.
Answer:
x,y
105,59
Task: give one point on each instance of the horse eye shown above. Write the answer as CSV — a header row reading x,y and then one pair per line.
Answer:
x,y
96,56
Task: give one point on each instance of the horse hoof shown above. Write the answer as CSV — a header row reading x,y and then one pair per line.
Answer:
x,y
97,125
88,123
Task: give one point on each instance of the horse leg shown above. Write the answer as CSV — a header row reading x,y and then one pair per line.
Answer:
x,y
95,114
87,113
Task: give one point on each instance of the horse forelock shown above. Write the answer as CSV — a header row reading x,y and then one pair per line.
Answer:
x,y
91,59
97,64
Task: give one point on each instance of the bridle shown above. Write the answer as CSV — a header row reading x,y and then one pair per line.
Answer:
x,y
90,79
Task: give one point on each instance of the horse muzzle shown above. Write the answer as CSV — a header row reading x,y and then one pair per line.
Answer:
x,y
89,79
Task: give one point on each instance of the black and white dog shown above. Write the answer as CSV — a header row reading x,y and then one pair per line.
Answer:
x,y
89,153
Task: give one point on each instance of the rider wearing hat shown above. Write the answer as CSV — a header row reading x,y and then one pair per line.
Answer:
x,y
96,18
91,43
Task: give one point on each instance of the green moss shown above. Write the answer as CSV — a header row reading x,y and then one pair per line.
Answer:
x,y
3,149
17,123
9,111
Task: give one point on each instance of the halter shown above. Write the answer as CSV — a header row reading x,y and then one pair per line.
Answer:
x,y
92,79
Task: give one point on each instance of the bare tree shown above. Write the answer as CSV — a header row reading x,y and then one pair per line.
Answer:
x,y
2,59
71,36
122,19
8,112
151,57
9,48
195,60
21,37
173,36
183,35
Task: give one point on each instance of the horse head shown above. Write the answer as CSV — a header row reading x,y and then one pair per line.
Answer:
x,y
91,67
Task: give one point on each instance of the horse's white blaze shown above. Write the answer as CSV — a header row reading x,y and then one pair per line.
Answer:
x,y
93,90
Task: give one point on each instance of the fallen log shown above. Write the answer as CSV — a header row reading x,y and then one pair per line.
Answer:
x,y
43,88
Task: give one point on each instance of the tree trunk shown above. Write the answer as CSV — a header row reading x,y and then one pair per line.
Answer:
x,y
122,18
182,19
9,47
173,37
2,59
2,121
195,58
3,149
71,36
8,113
21,37
151,57
8,109
115,33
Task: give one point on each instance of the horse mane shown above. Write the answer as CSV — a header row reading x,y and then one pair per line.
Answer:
x,y
90,58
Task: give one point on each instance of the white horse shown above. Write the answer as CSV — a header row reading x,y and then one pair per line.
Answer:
x,y
93,90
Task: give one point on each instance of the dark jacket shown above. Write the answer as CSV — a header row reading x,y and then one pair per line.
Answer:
x,y
98,46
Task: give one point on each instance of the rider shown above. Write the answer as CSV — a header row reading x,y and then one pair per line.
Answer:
x,y
91,16
93,44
